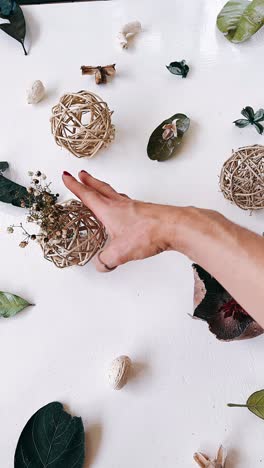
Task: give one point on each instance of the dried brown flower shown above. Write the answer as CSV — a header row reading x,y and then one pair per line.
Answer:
x,y
100,72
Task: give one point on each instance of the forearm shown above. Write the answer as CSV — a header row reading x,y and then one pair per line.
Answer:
x,y
232,254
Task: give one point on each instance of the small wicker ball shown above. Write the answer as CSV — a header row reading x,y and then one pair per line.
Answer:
x,y
242,178
81,123
82,236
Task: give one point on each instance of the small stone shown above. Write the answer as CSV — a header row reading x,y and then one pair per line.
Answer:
x,y
35,92
118,372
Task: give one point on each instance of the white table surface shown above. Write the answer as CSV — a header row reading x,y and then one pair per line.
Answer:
x,y
61,348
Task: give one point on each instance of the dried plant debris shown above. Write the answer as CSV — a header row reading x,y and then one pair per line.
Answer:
x,y
15,25
251,118
101,73
179,68
255,404
167,137
127,31
227,320
11,192
205,462
240,19
51,438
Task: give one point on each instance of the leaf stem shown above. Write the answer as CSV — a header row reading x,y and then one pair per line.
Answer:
x,y
25,52
233,405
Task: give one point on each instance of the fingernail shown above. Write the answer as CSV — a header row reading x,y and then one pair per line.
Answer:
x,y
67,173
83,172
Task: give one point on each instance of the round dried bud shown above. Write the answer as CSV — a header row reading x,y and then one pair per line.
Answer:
x,y
33,237
10,230
46,239
23,244
58,233
38,173
57,195
30,190
36,193
36,181
30,173
43,176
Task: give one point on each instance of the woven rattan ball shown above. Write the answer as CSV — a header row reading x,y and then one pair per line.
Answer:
x,y
82,236
242,178
81,123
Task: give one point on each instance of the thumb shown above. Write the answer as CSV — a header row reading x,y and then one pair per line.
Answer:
x,y
110,257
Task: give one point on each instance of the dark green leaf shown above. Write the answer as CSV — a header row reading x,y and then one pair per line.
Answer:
x,y
258,127
51,438
10,304
259,115
241,123
4,166
6,7
159,149
255,404
240,19
16,27
13,193
178,68
248,112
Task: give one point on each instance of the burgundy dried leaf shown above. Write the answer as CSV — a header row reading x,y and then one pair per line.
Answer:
x,y
227,320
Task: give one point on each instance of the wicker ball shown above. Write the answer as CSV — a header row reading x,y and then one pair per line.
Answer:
x,y
82,236
242,178
81,123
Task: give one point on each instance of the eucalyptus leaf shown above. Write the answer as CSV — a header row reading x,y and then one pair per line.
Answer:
x,y
252,118
259,115
6,7
241,123
255,404
16,27
11,192
248,112
258,127
160,148
241,19
10,304
179,68
4,166
51,438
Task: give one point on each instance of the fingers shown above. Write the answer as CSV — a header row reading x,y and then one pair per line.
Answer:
x,y
88,196
96,184
110,258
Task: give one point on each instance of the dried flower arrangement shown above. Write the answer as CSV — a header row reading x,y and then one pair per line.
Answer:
x,y
101,73
167,137
179,68
227,320
240,19
251,118
241,179
69,233
15,25
71,129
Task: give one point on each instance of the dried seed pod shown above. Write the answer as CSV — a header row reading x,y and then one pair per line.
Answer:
x,y
128,30
35,92
118,372
205,462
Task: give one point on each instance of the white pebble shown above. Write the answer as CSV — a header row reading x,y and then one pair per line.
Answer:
x,y
35,92
128,30
118,372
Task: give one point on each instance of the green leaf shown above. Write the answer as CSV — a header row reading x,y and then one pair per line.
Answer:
x,y
4,166
259,115
255,404
248,112
11,192
258,127
178,68
6,7
159,149
51,438
10,304
16,27
241,19
241,123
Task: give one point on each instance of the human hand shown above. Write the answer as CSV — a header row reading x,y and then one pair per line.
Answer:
x,y
136,230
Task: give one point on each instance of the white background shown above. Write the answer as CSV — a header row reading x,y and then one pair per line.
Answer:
x,y
61,348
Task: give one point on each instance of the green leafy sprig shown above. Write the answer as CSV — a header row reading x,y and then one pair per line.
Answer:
x,y
10,304
15,25
255,404
179,68
251,118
